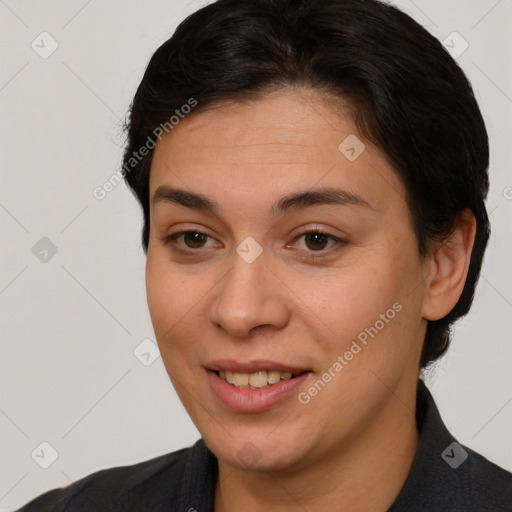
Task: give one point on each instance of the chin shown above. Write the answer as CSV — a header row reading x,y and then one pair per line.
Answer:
x,y
258,454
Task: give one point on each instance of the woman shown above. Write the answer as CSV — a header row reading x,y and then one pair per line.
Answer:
x,y
312,176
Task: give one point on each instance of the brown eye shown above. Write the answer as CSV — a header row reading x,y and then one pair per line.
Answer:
x,y
194,239
316,241
191,239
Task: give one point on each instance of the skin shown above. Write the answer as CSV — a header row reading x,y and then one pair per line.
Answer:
x,y
352,445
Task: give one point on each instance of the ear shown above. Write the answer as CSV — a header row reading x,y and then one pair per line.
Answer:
x,y
449,268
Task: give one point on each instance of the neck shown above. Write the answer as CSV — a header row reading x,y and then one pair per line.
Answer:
x,y
360,474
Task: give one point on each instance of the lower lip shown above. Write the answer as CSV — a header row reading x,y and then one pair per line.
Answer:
x,y
255,400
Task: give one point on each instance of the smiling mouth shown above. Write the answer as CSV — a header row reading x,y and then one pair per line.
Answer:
x,y
257,380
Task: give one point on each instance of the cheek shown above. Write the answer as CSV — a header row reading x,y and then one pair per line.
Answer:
x,y
376,330
174,302
371,301
349,299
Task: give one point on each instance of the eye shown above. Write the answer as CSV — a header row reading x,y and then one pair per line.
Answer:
x,y
317,241
192,239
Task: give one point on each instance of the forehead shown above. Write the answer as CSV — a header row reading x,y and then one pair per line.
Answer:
x,y
285,122
287,141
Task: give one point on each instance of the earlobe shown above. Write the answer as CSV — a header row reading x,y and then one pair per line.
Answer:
x,y
450,264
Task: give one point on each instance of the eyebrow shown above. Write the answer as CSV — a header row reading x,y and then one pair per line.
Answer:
x,y
297,201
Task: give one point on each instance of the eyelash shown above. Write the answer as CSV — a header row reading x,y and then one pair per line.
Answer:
x,y
339,242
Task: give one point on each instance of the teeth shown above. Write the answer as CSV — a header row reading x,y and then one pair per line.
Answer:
x,y
254,380
273,377
241,379
258,379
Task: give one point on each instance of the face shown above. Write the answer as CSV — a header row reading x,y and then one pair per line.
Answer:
x,y
278,245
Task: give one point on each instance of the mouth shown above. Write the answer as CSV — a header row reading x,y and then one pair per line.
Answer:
x,y
255,386
256,380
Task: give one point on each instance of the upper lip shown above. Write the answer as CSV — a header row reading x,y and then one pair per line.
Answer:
x,y
253,366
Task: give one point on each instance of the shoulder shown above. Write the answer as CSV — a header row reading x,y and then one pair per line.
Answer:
x,y
488,486
142,486
446,476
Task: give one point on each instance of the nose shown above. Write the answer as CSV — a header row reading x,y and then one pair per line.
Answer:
x,y
250,296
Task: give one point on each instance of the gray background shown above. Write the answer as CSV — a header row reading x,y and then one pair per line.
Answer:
x,y
70,321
